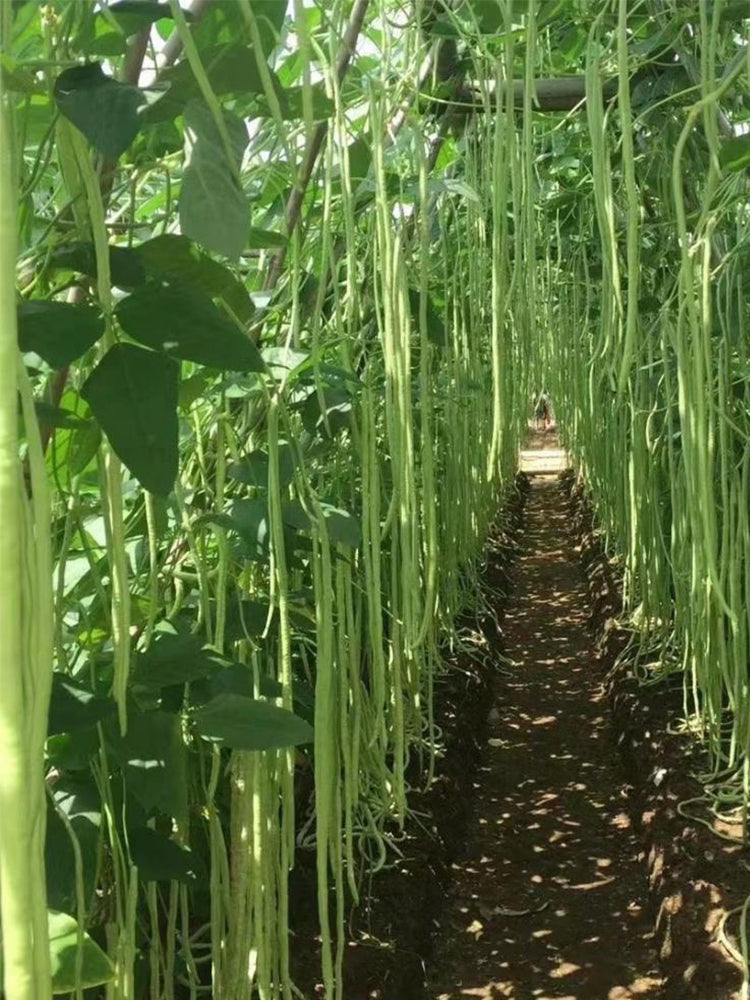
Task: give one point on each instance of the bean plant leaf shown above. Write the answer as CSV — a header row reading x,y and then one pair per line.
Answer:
x,y
238,679
242,723
265,238
50,416
72,751
291,103
435,326
214,209
231,69
174,658
59,332
185,323
95,968
734,154
74,706
105,110
125,265
342,526
153,759
133,395
224,23
176,258
133,15
77,798
253,469
158,858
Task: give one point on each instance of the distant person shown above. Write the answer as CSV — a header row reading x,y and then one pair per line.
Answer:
x,y
542,412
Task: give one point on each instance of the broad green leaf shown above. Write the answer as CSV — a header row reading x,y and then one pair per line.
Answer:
x,y
238,679
158,858
243,619
261,238
231,69
488,15
59,332
153,758
342,526
74,706
132,15
133,395
435,326
105,110
15,77
251,521
174,658
72,448
360,159
77,798
72,751
95,967
193,388
253,469
54,416
734,154
291,104
224,24
242,723
185,323
125,265
177,258
331,414
214,209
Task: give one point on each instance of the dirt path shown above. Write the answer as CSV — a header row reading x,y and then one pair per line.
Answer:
x,y
548,897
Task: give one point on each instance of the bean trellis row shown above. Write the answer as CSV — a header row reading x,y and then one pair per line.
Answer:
x,y
277,284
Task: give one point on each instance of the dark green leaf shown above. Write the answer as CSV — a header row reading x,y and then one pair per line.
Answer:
x,y
213,207
360,159
95,967
291,103
244,619
59,332
77,798
105,110
177,258
74,706
153,759
342,526
133,395
334,414
238,679
435,326
253,469
54,416
84,443
735,153
193,388
125,265
231,69
246,724
73,751
185,323
174,658
249,519
158,858
132,15
262,238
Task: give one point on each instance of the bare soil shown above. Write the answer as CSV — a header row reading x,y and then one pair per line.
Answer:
x,y
549,895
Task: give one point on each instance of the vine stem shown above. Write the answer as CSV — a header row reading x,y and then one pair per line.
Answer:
x,y
294,205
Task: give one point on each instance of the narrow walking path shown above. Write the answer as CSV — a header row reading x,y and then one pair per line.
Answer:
x,y
548,899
